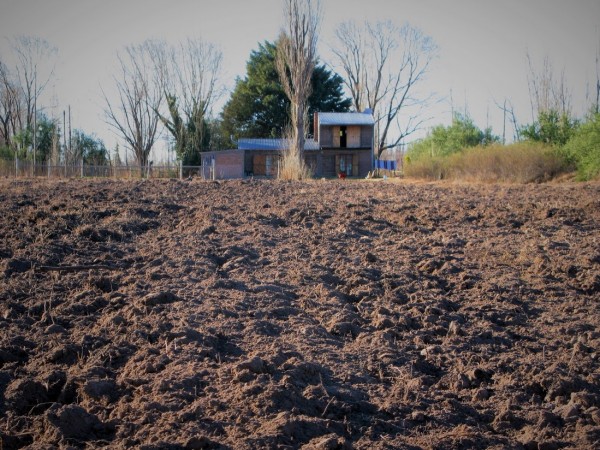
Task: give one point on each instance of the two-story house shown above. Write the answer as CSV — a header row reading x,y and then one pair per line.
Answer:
x,y
342,143
345,144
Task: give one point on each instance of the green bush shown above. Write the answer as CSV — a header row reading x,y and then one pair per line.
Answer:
x,y
551,128
583,149
6,153
443,141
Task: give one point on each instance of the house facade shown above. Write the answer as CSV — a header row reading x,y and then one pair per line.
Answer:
x,y
342,144
345,144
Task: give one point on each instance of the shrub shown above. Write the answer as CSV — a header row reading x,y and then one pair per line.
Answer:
x,y
425,168
444,141
551,128
517,163
6,153
583,149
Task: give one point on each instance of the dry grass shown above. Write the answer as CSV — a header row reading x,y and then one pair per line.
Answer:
x,y
426,168
515,163
293,167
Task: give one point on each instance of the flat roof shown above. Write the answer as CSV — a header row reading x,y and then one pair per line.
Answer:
x,y
348,118
273,144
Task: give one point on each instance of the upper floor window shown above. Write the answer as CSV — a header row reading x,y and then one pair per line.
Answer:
x,y
343,137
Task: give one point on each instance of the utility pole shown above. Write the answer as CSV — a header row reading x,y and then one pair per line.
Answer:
x,y
70,148
504,123
65,134
65,140
34,119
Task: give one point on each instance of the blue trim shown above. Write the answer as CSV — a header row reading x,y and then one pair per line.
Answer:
x,y
386,165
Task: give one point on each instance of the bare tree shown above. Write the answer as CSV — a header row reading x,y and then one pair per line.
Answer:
x,y
383,66
9,104
546,92
22,83
189,77
508,111
139,93
12,110
296,58
34,70
352,56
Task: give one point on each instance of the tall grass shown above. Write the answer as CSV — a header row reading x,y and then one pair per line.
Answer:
x,y
516,163
426,168
293,167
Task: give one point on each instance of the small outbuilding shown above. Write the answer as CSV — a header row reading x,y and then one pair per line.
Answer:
x,y
223,165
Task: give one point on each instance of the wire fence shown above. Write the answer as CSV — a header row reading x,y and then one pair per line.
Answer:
x,y
16,168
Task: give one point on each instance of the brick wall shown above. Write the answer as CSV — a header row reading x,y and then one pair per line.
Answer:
x,y
229,164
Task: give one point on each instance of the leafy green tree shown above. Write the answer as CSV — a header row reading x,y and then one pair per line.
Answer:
x,y
551,128
23,140
188,75
218,141
6,152
258,106
190,136
443,141
89,148
48,132
583,148
198,138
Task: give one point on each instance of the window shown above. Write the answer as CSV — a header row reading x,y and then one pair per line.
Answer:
x,y
272,165
343,140
269,165
345,164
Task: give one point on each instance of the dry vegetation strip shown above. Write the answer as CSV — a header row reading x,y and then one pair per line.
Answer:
x,y
515,163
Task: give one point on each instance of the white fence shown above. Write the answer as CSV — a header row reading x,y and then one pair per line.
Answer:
x,y
16,168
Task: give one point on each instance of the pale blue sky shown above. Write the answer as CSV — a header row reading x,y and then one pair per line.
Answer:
x,y
482,44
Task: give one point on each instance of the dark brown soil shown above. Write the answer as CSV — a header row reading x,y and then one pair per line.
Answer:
x,y
321,315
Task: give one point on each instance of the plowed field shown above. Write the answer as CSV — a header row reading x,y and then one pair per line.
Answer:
x,y
323,315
